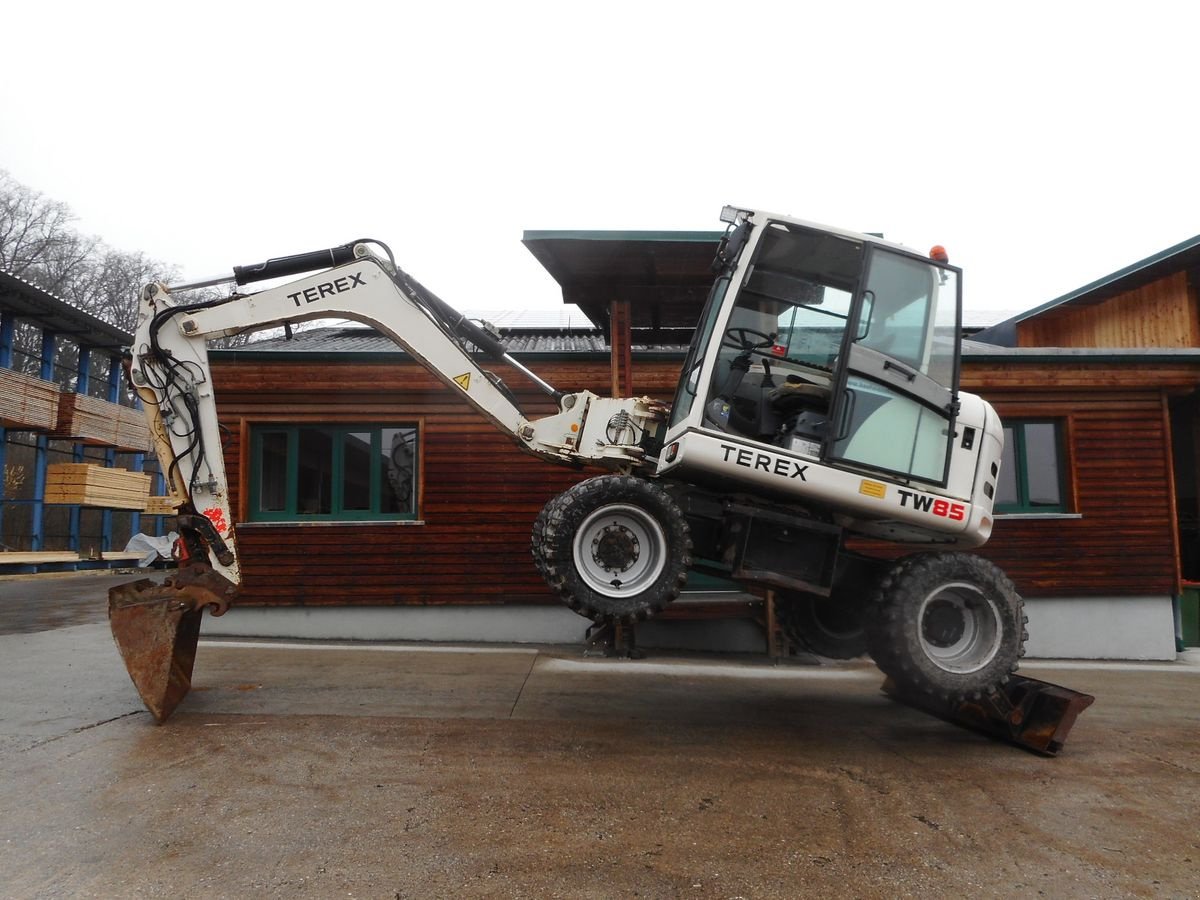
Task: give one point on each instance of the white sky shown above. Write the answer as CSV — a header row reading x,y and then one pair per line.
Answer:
x,y
1044,144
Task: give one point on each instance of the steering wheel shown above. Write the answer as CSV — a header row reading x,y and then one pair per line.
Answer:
x,y
739,339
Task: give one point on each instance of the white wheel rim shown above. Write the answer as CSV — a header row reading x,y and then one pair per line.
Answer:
x,y
620,550
959,628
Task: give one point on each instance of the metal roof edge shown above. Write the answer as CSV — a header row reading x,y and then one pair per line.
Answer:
x,y
16,282
683,237
1119,355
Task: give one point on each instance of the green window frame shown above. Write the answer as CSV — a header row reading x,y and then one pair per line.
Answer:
x,y
1033,471
334,473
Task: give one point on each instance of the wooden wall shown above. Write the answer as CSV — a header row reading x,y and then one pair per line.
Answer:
x,y
1119,478
1161,314
480,494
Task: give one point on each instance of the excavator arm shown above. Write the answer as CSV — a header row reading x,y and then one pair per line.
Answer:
x,y
156,626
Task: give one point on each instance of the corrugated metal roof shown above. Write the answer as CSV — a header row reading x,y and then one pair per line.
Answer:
x,y
566,316
30,302
361,339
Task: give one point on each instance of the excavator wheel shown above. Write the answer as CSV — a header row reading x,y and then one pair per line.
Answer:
x,y
948,624
614,548
827,626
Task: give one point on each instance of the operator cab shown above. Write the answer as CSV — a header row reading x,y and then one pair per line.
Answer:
x,y
828,345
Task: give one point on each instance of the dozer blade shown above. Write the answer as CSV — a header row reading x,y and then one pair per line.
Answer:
x,y
156,628
1025,712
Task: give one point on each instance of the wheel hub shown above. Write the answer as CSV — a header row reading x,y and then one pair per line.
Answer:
x,y
615,548
944,624
960,630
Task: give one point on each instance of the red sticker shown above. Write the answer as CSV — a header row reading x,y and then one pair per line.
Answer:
x,y
217,517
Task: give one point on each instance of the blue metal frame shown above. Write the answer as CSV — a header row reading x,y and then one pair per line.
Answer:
x,y
110,456
81,387
38,539
7,323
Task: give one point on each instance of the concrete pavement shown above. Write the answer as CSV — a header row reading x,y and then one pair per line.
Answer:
x,y
417,771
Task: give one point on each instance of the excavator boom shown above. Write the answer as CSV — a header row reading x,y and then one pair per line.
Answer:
x,y
156,626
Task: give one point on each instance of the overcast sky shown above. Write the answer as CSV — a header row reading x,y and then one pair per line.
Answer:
x,y
1045,145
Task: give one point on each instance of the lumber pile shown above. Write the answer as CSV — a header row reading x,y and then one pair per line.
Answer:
x,y
28,402
100,423
161,506
84,484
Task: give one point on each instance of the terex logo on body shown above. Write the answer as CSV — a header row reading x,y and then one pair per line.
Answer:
x,y
943,508
774,465
328,289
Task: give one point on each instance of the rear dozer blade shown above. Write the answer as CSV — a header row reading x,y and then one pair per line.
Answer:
x,y
1025,712
156,628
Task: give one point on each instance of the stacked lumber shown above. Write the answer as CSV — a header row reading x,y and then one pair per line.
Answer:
x,y
161,506
100,423
28,402
84,484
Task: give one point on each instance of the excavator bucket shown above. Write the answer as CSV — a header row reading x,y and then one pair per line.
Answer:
x,y
1024,712
157,626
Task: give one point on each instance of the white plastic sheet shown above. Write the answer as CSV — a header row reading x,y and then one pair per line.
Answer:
x,y
151,547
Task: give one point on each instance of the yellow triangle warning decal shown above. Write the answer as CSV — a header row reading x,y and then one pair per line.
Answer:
x,y
463,381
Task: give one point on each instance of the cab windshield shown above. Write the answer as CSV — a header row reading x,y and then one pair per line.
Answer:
x,y
798,293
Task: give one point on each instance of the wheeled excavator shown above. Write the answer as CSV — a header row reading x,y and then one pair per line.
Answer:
x,y
817,412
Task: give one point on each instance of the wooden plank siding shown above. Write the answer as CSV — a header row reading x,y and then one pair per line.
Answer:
x,y
479,493
1118,481
1160,314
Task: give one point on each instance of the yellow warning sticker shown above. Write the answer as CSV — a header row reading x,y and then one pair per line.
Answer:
x,y
873,489
463,381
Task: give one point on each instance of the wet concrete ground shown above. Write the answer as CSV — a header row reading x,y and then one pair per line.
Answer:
x,y
393,771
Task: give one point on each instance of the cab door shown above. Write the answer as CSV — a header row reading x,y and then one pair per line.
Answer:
x,y
895,402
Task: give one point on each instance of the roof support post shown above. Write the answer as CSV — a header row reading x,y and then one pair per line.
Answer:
x,y
620,338
7,322
110,456
83,372
41,450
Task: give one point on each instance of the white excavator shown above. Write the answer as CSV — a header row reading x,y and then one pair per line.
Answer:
x,y
818,401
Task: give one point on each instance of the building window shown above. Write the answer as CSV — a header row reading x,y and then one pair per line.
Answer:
x,y
333,472
1031,474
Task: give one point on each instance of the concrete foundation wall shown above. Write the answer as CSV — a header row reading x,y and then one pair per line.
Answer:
x,y
1059,628
501,624
1101,628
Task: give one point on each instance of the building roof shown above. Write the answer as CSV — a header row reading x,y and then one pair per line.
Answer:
x,y
1182,256
31,303
665,275
361,339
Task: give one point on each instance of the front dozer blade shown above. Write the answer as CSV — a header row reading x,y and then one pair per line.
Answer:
x,y
156,628
1024,711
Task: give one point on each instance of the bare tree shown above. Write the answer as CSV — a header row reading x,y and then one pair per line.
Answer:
x,y
107,286
39,243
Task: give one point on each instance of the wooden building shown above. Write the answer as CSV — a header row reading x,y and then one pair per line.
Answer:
x,y
1146,317
1087,518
